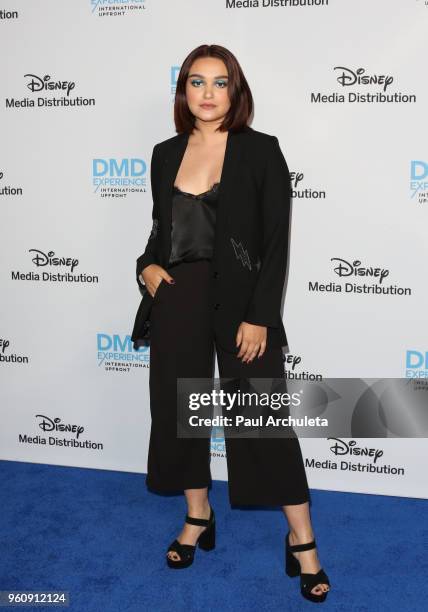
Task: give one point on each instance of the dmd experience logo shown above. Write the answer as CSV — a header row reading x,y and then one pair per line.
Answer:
x,y
116,353
419,181
416,364
173,79
117,178
117,8
218,446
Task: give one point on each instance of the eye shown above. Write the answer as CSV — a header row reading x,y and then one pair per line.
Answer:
x,y
196,82
222,84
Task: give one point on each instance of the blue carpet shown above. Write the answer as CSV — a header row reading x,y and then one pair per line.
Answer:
x,y
101,536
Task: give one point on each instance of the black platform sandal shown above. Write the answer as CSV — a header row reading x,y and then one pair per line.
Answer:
x,y
307,581
206,541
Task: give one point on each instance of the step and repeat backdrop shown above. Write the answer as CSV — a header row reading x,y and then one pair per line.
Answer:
x,y
87,89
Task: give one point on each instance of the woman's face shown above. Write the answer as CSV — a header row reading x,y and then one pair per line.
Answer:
x,y
207,89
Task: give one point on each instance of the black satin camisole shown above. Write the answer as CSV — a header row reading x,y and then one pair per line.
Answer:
x,y
193,224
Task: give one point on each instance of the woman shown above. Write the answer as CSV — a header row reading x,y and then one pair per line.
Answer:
x,y
212,275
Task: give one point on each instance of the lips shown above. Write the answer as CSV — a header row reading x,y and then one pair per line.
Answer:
x,y
207,105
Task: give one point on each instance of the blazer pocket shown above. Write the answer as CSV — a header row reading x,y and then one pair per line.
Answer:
x,y
140,335
159,288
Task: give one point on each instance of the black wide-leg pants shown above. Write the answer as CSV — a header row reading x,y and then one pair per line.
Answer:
x,y
261,471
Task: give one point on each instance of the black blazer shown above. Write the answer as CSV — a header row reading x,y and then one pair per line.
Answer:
x,y
251,240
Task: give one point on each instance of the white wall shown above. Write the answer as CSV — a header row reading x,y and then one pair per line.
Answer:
x,y
354,201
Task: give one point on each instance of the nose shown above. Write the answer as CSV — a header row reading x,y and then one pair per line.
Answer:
x,y
208,92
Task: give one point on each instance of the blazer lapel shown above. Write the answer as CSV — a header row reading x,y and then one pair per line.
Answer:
x,y
170,169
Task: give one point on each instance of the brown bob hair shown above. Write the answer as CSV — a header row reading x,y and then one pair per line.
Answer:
x,y
241,99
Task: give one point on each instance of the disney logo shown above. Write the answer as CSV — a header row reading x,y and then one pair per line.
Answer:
x,y
349,77
293,359
4,344
48,424
343,448
43,259
41,83
347,269
296,178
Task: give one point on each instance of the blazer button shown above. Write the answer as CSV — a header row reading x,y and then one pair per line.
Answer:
x,y
216,306
215,275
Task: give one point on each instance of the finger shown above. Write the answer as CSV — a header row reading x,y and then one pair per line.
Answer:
x,y
249,352
253,354
239,337
251,347
243,350
168,278
262,349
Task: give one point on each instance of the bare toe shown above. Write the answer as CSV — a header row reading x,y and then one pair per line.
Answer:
x,y
319,589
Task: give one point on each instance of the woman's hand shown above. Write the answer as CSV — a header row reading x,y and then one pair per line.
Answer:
x,y
252,339
152,276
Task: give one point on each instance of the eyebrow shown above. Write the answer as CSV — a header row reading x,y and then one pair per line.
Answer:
x,y
222,76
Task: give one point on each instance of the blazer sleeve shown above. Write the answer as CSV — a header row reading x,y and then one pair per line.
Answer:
x,y
150,253
265,305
